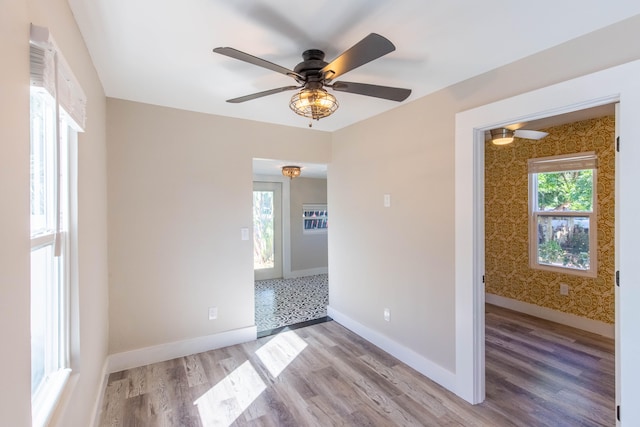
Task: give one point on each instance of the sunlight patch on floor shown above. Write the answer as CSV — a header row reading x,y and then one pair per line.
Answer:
x,y
227,400
280,351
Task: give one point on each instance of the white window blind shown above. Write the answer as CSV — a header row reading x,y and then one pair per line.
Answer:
x,y
50,71
564,163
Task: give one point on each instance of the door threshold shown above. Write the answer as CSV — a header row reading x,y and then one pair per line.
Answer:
x,y
276,331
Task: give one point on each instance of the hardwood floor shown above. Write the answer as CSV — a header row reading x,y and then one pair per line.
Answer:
x,y
544,373
538,374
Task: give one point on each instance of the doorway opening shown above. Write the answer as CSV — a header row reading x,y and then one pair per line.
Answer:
x,y
290,219
541,208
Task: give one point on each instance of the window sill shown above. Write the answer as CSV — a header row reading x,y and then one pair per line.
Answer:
x,y
45,399
565,270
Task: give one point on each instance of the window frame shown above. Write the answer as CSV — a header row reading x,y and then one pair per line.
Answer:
x,y
56,363
555,164
50,73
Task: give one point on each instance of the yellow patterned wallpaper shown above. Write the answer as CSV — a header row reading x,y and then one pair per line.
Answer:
x,y
506,202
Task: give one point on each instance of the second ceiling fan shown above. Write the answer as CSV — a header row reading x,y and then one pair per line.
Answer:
x,y
313,75
506,135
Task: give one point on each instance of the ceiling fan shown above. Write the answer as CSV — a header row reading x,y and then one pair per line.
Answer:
x,y
313,75
504,136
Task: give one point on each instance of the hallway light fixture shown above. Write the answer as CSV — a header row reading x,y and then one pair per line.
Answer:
x,y
502,136
291,171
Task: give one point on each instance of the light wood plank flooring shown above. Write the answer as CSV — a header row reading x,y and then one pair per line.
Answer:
x,y
538,374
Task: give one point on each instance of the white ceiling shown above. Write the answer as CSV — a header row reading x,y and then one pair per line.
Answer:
x,y
160,51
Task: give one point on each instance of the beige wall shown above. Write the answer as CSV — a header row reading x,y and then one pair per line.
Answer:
x,y
179,190
506,222
15,391
402,257
90,326
180,186
308,251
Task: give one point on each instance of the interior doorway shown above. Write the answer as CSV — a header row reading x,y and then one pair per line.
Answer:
x,y
548,224
290,245
617,84
267,230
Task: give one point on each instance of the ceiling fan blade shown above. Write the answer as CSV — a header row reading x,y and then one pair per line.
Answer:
x,y
384,92
242,56
366,50
261,94
268,17
530,134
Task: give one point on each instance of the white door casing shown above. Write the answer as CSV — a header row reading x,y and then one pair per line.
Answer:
x,y
608,86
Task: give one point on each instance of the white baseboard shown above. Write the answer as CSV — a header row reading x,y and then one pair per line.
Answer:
x,y
159,353
589,325
97,407
435,372
308,272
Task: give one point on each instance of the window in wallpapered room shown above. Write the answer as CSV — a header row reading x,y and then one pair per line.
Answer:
x,y
562,213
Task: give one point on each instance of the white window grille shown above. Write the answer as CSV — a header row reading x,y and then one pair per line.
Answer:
x,y
562,207
57,105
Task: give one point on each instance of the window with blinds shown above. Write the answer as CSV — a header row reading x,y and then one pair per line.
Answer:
x,y
562,220
57,113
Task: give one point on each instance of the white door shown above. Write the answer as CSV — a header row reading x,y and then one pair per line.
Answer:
x,y
267,230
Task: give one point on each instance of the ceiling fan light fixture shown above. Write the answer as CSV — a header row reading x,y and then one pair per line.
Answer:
x,y
291,171
313,103
502,136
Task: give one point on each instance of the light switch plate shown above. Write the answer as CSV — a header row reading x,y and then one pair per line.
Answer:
x,y
244,233
387,200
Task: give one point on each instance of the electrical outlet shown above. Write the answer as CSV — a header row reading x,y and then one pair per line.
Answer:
x,y
213,313
387,314
564,289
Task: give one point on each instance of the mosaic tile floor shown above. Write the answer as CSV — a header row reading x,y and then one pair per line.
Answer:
x,y
285,302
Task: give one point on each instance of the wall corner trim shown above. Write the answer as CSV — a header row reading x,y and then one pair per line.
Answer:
x,y
568,319
159,353
426,367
